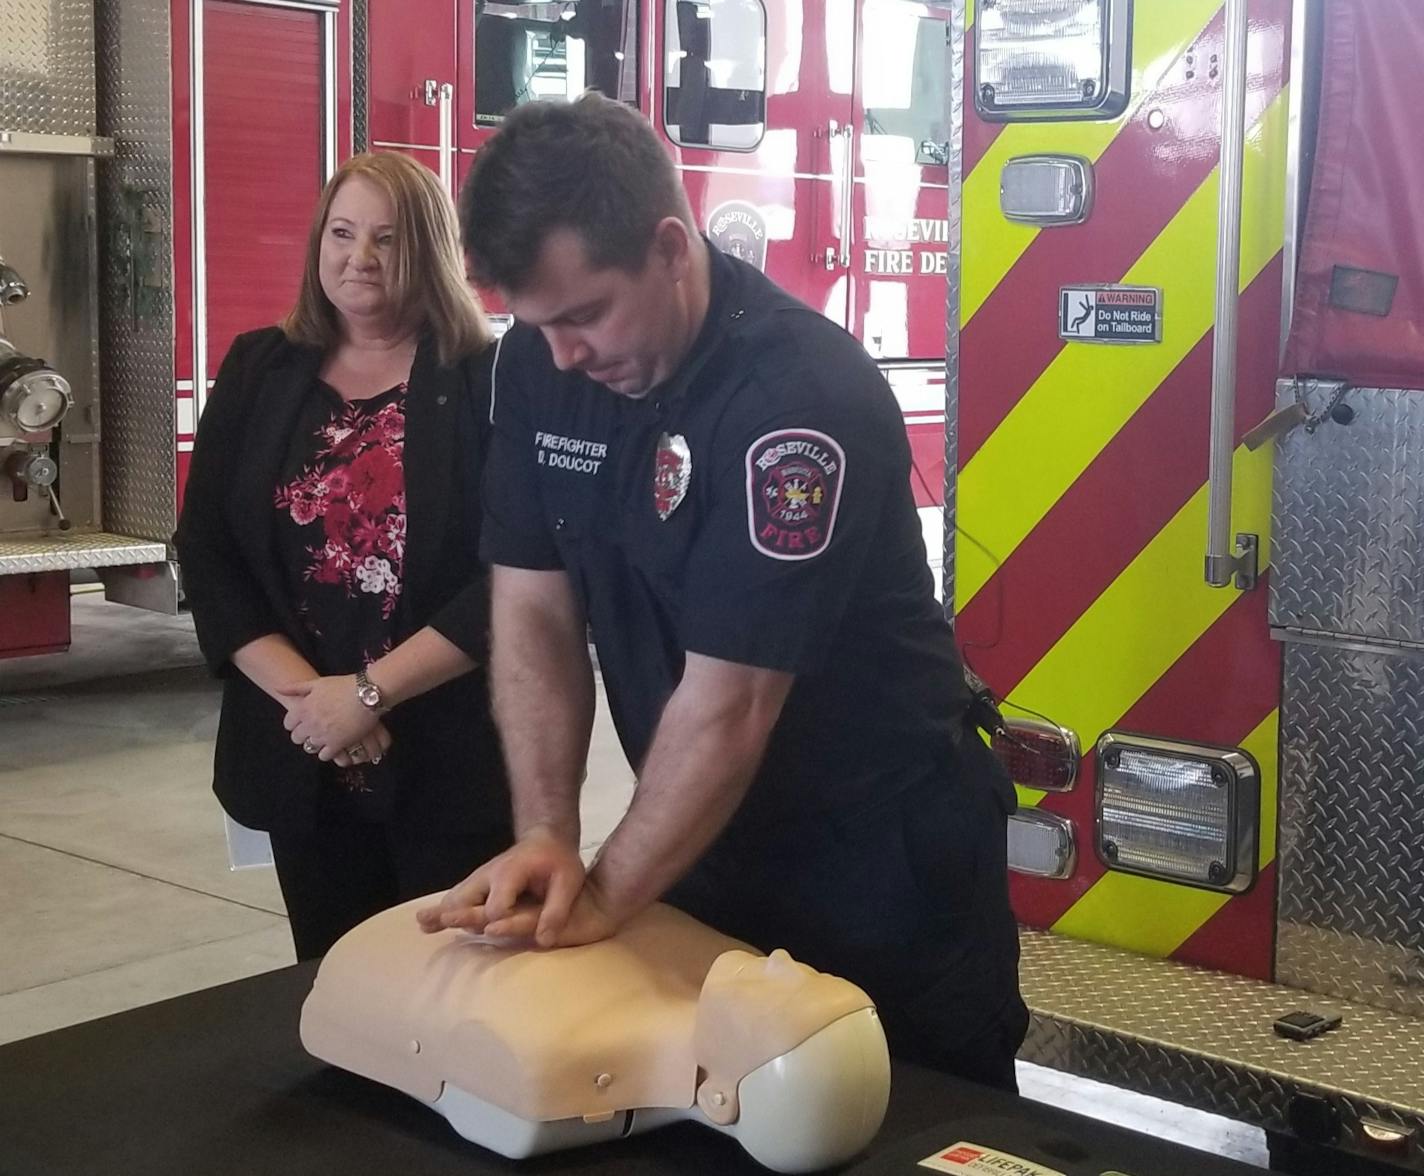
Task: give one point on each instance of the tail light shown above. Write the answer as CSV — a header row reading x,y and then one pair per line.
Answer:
x,y
1041,844
1180,812
1038,754
1043,59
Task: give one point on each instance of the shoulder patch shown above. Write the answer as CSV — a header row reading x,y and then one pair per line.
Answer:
x,y
794,479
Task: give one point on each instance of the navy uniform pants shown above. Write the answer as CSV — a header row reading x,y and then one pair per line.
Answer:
x,y
908,898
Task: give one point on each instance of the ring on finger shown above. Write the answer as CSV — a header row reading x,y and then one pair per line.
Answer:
x,y
357,751
309,747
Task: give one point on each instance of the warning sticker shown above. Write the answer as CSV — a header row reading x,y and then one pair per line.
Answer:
x,y
1110,314
970,1159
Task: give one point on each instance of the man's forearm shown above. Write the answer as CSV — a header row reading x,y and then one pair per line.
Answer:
x,y
708,747
542,685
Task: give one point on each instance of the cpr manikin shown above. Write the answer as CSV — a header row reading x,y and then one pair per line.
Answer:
x,y
527,1051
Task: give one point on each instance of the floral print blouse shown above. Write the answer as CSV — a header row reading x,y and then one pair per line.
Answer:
x,y
341,527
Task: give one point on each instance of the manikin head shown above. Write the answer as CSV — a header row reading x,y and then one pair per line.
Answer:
x,y
796,1064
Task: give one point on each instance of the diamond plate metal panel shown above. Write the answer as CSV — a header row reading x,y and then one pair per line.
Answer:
x,y
955,223
47,67
136,281
1204,1039
1351,837
1348,519
65,550
360,77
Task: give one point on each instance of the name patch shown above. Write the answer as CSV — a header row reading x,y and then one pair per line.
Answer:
x,y
794,479
569,453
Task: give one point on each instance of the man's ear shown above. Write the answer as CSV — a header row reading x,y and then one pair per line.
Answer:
x,y
672,246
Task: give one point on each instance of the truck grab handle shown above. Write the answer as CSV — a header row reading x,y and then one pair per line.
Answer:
x,y
1223,562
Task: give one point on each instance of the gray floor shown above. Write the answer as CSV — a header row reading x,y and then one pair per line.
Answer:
x,y
114,866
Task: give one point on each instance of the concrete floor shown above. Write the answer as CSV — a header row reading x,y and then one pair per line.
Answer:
x,y
114,864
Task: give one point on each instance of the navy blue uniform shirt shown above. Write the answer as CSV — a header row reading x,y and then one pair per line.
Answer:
x,y
755,507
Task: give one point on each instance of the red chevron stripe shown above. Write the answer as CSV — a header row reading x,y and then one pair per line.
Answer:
x,y
1190,701
1243,932
1141,180
1143,476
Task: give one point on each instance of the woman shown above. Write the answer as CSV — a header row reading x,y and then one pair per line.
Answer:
x,y
329,542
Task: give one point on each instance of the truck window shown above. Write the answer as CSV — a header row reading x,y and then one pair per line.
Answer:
x,y
906,116
525,52
714,92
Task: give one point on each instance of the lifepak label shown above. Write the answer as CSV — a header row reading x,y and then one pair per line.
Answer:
x,y
569,453
794,479
1110,314
970,1159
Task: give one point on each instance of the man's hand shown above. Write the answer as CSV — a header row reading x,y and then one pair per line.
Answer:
x,y
531,889
589,921
326,712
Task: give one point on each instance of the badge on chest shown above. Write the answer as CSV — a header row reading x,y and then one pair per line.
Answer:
x,y
672,473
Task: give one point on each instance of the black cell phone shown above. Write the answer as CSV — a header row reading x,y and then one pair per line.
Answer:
x,y
1302,1026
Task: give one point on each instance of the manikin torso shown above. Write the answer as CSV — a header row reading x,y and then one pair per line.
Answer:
x,y
527,1051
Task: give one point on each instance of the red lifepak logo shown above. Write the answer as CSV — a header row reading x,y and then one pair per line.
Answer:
x,y
973,1159
794,481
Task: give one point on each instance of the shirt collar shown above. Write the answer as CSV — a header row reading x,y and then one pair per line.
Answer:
x,y
723,308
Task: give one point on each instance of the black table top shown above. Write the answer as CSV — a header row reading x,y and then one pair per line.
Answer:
x,y
216,1083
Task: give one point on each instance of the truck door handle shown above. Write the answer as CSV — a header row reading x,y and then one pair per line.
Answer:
x,y
447,137
847,194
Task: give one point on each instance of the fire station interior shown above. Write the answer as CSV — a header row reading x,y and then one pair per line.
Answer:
x,y
1145,278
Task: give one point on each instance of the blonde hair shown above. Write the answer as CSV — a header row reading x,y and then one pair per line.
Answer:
x,y
427,275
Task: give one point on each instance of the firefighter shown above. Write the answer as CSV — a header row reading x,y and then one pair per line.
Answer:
x,y
716,479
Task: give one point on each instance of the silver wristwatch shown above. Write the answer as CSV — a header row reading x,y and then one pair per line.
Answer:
x,y
368,693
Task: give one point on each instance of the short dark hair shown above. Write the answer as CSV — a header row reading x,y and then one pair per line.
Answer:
x,y
592,165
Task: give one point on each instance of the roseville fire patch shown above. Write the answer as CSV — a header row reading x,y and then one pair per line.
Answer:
x,y
794,481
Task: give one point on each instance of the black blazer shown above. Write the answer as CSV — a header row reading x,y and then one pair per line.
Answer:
x,y
445,753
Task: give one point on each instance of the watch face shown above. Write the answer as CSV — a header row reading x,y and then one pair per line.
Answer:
x,y
369,696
